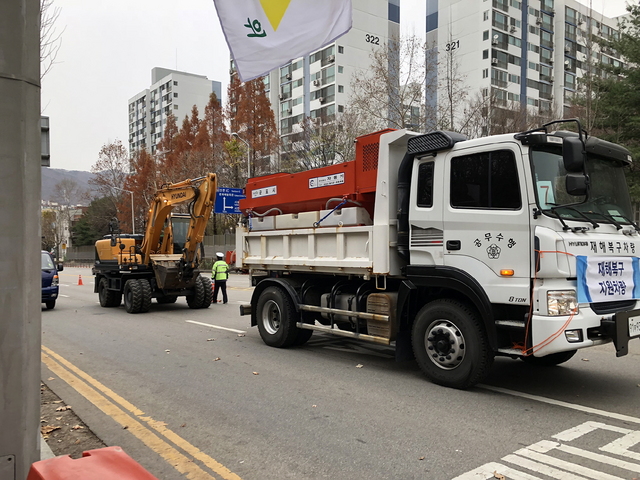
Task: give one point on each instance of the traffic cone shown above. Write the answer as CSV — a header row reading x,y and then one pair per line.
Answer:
x,y
80,280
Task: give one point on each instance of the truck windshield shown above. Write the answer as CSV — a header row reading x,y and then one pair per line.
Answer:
x,y
47,263
608,198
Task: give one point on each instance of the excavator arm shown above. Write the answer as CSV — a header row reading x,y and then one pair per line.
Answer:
x,y
200,194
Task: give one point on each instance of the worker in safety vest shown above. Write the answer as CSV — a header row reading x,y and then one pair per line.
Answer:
x,y
220,274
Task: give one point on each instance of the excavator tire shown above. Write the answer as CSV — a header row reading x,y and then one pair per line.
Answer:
x,y
208,292
132,296
198,298
145,303
108,298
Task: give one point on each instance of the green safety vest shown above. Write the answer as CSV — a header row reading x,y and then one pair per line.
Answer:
x,y
220,270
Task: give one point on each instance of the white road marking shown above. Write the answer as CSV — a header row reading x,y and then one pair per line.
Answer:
x,y
614,462
65,296
538,458
531,454
623,445
486,472
216,326
573,406
541,468
588,427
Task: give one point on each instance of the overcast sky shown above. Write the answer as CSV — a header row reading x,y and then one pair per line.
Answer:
x,y
109,48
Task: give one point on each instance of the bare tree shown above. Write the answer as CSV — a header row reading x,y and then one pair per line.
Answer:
x,y
50,37
384,93
111,171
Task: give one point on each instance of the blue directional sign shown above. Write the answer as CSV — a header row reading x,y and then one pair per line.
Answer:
x,y
228,200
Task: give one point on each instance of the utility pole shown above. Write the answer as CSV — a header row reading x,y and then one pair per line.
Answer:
x,y
20,284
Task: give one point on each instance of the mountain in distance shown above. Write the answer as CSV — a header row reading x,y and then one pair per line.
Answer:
x,y
53,176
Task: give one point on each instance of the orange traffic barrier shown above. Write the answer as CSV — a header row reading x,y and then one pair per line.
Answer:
x,y
109,463
80,280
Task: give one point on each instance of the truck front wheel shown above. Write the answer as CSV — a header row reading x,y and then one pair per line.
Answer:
x,y
277,318
450,344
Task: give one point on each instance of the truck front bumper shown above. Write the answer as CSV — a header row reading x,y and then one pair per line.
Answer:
x,y
551,334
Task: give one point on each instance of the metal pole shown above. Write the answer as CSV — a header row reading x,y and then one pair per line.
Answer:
x,y
133,224
234,134
20,291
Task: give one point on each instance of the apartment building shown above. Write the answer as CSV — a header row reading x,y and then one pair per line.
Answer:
x,y
318,85
171,92
519,53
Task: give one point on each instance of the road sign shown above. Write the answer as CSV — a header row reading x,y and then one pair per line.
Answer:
x,y
228,200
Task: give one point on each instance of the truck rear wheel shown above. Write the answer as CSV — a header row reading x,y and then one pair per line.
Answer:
x,y
277,318
108,298
132,295
450,344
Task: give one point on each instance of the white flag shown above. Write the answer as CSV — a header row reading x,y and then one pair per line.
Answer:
x,y
266,34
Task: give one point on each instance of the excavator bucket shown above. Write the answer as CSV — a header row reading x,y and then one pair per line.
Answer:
x,y
169,275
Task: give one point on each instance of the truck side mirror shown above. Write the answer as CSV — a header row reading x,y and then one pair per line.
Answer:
x,y
577,184
573,154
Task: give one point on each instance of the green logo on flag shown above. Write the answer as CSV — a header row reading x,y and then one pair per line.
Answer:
x,y
256,28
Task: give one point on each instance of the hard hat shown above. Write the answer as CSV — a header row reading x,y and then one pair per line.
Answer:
x,y
219,254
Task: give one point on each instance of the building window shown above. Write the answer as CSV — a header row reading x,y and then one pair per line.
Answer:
x,y
485,15
340,88
340,49
175,107
175,94
485,73
340,108
340,69
175,83
485,35
485,54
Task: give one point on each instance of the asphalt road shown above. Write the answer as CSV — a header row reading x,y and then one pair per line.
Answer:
x,y
196,401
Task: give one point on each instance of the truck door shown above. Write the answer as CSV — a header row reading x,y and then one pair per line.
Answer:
x,y
486,220
425,217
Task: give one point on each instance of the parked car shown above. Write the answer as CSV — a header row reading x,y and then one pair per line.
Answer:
x,y
50,280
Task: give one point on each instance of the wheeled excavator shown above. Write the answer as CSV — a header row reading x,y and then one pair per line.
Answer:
x,y
164,262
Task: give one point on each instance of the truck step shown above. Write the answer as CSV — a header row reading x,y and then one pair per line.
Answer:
x,y
510,352
510,323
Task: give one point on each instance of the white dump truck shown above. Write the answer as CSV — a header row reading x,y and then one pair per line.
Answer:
x,y
450,250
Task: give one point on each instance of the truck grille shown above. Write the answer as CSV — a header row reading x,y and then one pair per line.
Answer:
x,y
602,308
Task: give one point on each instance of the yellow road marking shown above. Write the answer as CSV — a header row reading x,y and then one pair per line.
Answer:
x,y
179,461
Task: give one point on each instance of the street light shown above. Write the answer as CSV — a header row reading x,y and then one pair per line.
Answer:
x,y
133,225
234,134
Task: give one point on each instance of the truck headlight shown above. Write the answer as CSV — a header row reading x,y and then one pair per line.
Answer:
x,y
55,281
562,302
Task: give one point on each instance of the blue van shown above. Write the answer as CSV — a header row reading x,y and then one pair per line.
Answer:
x,y
50,280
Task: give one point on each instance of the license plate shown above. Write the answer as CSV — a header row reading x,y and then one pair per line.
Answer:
x,y
634,326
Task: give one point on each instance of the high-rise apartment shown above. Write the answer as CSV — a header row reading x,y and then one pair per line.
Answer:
x,y
520,53
318,85
171,92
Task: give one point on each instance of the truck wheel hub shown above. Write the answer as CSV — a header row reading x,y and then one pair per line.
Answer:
x,y
271,317
444,344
